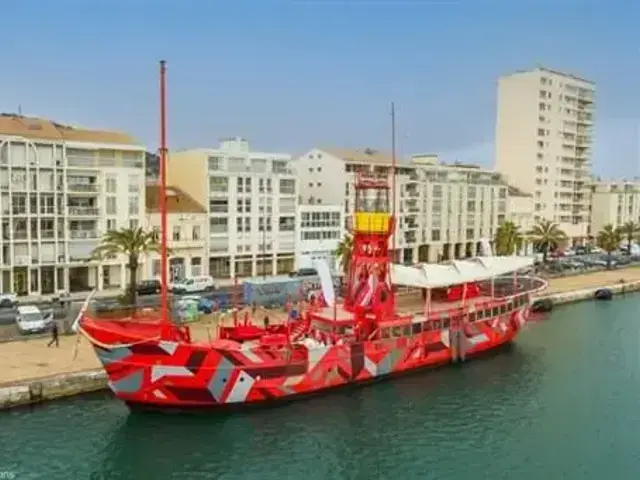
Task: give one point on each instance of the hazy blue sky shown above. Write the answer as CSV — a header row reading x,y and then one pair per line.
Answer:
x,y
290,74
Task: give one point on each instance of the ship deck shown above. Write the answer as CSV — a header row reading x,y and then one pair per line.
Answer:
x,y
408,305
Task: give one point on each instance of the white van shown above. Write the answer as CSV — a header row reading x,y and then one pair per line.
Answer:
x,y
30,319
193,284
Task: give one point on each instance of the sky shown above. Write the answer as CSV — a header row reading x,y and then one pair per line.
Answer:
x,y
290,75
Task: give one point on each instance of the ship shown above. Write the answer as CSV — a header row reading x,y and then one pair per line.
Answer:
x,y
386,320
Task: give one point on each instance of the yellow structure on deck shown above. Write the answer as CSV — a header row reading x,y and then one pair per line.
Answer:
x,y
365,222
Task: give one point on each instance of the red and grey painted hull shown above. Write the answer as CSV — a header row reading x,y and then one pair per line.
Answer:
x,y
160,374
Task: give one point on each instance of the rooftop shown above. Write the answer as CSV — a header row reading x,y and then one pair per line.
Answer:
x,y
363,155
516,192
178,201
39,128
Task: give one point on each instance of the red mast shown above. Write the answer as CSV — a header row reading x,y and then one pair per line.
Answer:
x,y
164,300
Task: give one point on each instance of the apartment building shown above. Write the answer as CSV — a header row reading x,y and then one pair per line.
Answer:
x,y
61,187
544,134
251,200
443,211
614,203
520,211
321,229
187,226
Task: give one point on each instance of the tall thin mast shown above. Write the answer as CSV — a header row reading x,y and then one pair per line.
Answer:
x,y
164,301
393,177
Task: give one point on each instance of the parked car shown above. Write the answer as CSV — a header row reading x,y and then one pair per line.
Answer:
x,y
148,287
305,272
194,284
30,319
8,300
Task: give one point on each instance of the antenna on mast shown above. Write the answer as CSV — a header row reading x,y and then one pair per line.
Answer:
x,y
164,300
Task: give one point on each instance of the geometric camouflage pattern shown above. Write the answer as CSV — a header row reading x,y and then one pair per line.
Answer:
x,y
162,373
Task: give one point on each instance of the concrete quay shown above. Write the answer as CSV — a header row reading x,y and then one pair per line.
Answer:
x,y
32,373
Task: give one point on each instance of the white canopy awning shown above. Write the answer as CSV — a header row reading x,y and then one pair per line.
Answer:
x,y
456,272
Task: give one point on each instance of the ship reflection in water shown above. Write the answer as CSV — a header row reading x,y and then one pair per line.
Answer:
x,y
556,404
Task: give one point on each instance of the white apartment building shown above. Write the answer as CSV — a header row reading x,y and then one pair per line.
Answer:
x,y
614,203
187,226
251,200
61,188
544,133
443,211
321,230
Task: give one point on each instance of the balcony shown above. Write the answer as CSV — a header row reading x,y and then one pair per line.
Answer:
x,y
83,211
82,188
83,234
47,234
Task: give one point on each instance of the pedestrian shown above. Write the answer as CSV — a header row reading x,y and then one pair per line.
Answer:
x,y
54,335
266,322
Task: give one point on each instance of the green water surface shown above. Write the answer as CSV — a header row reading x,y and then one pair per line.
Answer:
x,y
562,403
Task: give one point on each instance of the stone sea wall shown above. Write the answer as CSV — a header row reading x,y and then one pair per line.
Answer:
x,y
589,293
66,385
50,388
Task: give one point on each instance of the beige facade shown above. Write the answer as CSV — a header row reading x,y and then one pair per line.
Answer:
x,y
544,135
187,223
251,201
61,189
614,203
443,211
520,211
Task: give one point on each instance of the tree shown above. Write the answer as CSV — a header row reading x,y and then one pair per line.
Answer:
x,y
609,239
545,236
629,232
343,252
508,239
130,242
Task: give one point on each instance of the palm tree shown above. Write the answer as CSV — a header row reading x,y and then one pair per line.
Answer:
x,y
546,235
609,239
508,239
343,252
629,232
130,242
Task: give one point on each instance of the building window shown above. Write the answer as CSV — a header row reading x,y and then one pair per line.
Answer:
x,y
112,184
133,223
112,207
219,184
134,183
286,224
435,235
195,234
287,186
111,224
176,233
219,225
215,163
196,266
134,205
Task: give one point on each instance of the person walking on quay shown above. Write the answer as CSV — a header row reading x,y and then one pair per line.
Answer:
x,y
54,335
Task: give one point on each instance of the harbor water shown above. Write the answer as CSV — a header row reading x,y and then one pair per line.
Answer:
x,y
561,403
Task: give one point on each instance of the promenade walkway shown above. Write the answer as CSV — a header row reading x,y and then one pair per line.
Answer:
x,y
22,360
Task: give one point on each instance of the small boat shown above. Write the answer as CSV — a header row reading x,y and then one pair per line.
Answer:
x,y
390,320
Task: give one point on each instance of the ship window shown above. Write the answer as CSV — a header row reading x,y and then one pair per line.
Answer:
x,y
396,332
472,316
495,312
480,314
503,309
436,324
385,333
446,323
406,330
487,314
416,328
509,306
426,327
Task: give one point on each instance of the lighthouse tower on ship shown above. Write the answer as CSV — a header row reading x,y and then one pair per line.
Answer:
x,y
369,293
